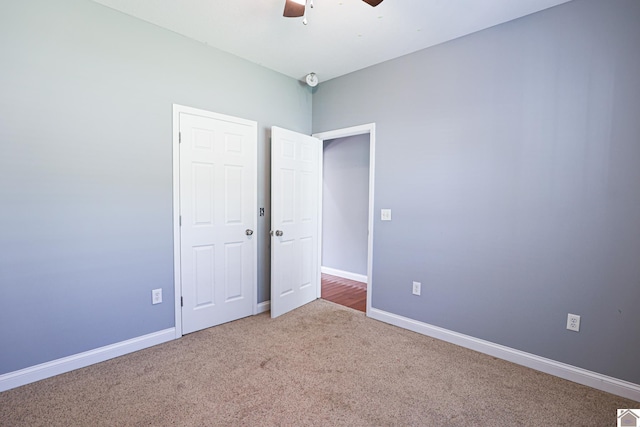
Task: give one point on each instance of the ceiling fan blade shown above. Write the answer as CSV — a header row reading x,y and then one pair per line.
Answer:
x,y
373,3
293,9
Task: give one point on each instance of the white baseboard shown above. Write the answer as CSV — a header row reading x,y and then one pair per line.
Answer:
x,y
558,369
264,306
344,274
81,360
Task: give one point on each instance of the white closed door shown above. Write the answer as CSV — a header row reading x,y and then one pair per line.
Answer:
x,y
218,262
295,185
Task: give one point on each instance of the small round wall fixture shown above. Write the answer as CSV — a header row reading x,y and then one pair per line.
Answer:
x,y
312,79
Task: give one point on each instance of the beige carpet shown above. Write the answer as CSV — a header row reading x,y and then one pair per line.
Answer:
x,y
324,365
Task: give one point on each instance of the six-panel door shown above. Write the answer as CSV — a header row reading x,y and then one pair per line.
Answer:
x,y
295,184
218,216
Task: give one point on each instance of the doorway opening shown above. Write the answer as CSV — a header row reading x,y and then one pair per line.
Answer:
x,y
347,215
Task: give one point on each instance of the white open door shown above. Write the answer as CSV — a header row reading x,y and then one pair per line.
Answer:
x,y
217,201
295,184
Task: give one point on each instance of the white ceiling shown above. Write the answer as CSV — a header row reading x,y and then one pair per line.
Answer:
x,y
342,35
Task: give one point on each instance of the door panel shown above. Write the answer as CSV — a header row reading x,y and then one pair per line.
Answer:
x,y
217,205
295,175
203,274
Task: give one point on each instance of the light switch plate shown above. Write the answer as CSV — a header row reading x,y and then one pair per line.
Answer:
x,y
385,214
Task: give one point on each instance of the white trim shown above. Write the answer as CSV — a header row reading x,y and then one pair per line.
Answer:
x,y
177,264
369,128
81,360
346,132
558,369
344,274
263,307
320,224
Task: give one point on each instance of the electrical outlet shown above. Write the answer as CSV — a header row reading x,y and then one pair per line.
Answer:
x,y
385,214
416,288
156,296
573,322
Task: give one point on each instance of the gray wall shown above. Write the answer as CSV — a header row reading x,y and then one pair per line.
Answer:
x,y
345,203
86,169
511,160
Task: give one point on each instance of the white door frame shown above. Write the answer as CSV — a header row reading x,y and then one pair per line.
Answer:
x,y
370,129
177,264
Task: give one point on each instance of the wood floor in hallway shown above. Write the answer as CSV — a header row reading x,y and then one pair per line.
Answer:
x,y
344,292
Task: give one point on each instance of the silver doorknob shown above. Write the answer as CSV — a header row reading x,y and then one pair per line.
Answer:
x,y
279,233
248,232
